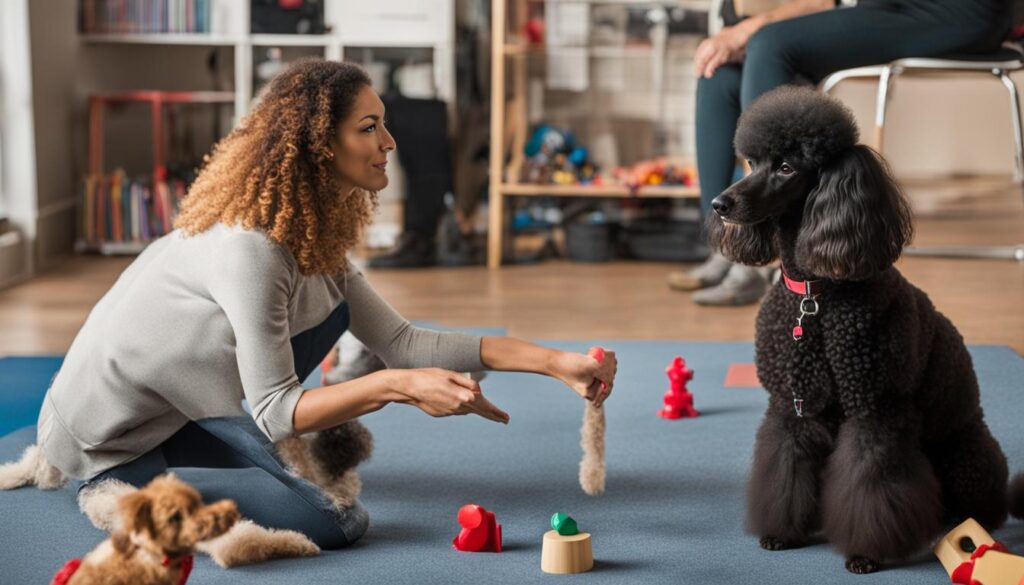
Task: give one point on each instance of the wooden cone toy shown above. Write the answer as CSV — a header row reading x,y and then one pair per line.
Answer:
x,y
565,549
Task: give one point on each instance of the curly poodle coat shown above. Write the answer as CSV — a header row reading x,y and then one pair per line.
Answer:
x,y
874,433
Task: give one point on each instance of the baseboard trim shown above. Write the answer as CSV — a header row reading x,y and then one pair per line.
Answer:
x,y
13,259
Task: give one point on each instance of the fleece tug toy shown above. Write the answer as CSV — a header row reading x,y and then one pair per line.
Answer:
x,y
592,470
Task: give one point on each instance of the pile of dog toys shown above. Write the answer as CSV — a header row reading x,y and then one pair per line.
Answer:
x,y
554,158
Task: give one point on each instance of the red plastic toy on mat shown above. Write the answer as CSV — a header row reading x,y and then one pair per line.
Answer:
x,y
480,531
678,400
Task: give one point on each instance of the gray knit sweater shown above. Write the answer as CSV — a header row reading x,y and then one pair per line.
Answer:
x,y
196,324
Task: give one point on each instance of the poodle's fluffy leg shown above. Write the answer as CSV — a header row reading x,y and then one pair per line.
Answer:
x,y
782,496
247,543
972,469
98,502
880,498
329,458
592,468
31,469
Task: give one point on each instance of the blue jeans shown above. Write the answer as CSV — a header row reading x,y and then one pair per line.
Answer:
x,y
236,442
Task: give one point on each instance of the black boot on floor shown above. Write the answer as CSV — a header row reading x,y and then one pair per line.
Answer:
x,y
412,251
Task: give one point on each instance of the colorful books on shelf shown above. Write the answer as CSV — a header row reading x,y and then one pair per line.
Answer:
x,y
144,16
117,208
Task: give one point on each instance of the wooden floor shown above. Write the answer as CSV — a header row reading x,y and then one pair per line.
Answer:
x,y
623,300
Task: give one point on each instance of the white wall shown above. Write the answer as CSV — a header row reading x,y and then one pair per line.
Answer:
x,y
19,175
940,126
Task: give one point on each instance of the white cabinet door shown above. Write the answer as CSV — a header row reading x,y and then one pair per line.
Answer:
x,y
393,22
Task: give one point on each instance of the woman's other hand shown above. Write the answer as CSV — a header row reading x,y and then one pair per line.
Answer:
x,y
439,392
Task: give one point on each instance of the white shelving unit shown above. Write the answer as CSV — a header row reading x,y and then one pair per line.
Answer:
x,y
412,24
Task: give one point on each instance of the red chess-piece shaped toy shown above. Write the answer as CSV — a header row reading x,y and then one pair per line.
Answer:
x,y
480,531
678,400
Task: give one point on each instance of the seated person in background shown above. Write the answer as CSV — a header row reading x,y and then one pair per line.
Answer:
x,y
808,39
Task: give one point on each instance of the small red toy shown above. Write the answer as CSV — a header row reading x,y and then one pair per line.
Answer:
x,y
480,531
535,30
678,400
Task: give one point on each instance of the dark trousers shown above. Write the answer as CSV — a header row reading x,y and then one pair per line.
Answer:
x,y
813,46
236,442
420,128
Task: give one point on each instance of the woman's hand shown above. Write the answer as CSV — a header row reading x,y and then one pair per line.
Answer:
x,y
588,377
728,46
440,392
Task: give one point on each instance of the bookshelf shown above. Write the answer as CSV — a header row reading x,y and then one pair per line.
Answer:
x,y
119,214
354,29
420,24
511,52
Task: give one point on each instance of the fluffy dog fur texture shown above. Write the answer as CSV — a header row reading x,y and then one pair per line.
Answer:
x,y
248,543
99,502
31,469
328,459
165,519
245,543
893,442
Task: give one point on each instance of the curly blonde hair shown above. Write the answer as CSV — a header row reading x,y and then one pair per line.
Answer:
x,y
275,171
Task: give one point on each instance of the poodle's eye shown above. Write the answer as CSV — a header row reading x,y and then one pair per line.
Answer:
x,y
785,170
175,518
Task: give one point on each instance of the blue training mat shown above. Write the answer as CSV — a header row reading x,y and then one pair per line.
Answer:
x,y
672,512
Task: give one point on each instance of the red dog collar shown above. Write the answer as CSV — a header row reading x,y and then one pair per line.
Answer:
x,y
806,288
64,574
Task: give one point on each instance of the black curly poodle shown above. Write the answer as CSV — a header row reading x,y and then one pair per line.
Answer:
x,y
874,433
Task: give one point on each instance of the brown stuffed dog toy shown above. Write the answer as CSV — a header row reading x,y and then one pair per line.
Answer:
x,y
160,527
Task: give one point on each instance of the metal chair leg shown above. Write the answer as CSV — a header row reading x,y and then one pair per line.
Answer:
x,y
1018,131
881,101
990,252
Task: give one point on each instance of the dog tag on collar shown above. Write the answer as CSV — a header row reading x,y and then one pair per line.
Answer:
x,y
798,406
798,332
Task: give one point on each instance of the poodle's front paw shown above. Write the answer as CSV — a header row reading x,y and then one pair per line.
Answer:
x,y
861,565
773,543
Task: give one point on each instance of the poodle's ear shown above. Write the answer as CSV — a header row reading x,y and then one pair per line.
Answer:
x,y
856,222
137,512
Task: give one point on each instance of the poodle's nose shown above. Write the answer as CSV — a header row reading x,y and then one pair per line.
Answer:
x,y
722,205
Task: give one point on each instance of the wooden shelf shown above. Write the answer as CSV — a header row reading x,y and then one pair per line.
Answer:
x,y
625,51
649,191
264,40
111,248
692,4
511,57
194,39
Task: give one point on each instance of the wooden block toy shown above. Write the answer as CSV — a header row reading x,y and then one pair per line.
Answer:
x,y
566,554
564,524
972,557
480,531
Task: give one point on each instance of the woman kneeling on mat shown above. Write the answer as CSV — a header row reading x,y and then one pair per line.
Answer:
x,y
242,301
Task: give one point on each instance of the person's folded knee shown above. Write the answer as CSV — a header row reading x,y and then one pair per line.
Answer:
x,y
346,532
